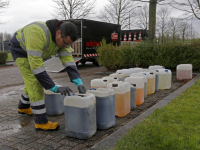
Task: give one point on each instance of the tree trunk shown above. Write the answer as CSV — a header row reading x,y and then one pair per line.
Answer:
x,y
152,19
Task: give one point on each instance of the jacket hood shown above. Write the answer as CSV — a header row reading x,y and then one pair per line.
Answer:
x,y
53,25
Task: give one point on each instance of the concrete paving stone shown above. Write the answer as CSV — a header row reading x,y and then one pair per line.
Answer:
x,y
64,148
6,148
20,146
48,148
23,136
79,147
36,146
52,144
59,137
38,135
44,139
30,140
68,143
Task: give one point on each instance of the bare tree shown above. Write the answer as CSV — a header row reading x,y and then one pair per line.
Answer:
x,y
119,12
184,26
3,5
1,37
143,17
162,20
73,9
173,25
191,7
7,36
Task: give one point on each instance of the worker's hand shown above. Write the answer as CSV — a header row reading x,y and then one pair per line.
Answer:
x,y
64,90
81,89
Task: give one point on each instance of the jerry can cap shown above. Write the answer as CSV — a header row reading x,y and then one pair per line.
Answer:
x,y
166,70
134,85
114,85
92,89
144,73
71,94
81,95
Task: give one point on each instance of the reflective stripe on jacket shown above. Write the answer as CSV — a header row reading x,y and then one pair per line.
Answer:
x,y
36,39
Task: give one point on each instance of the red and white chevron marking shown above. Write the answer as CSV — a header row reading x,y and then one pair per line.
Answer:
x,y
91,55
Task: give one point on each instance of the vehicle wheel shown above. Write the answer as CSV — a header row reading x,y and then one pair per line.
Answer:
x,y
83,62
95,63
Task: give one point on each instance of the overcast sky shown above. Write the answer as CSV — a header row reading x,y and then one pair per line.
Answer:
x,y
22,12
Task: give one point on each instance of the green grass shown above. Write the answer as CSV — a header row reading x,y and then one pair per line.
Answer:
x,y
174,127
9,57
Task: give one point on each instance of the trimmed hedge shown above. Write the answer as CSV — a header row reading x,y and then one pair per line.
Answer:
x,y
3,57
144,54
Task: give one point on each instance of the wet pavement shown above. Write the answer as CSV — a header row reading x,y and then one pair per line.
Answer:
x,y
18,132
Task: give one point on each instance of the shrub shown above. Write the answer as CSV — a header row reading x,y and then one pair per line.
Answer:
x,y
3,57
144,54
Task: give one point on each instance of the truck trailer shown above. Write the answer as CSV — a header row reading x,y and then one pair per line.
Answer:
x,y
91,34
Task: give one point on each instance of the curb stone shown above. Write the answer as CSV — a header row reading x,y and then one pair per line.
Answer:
x,y
110,141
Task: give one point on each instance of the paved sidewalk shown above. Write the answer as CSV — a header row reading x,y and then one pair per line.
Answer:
x,y
17,131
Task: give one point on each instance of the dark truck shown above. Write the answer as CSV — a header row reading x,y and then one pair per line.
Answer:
x,y
91,34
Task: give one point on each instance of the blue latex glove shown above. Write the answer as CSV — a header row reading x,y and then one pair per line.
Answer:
x,y
77,81
54,89
79,84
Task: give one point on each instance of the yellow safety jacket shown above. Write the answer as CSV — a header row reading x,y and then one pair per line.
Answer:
x,y
36,40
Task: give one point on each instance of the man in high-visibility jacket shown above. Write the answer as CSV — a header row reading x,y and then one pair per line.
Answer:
x,y
29,46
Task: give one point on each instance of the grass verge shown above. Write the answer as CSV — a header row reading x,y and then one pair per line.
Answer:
x,y
9,57
173,127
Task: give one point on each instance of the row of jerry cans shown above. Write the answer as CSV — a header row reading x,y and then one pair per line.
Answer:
x,y
97,108
161,76
85,113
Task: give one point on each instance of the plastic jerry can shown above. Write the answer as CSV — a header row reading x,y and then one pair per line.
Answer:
x,y
133,96
154,67
105,107
156,77
98,83
139,81
145,81
165,77
122,98
125,71
110,79
135,70
150,83
80,115
120,76
54,103
184,71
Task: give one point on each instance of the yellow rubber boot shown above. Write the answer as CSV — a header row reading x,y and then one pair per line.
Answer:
x,y
49,126
27,111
